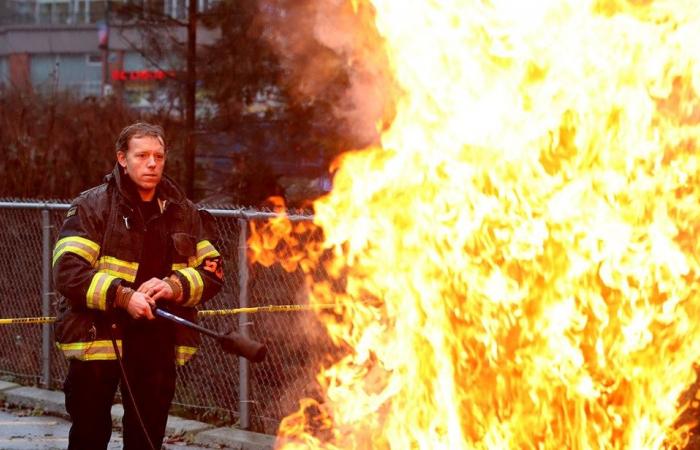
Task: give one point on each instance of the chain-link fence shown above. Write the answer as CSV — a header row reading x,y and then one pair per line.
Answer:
x,y
213,386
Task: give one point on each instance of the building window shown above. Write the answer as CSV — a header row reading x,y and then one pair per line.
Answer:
x,y
93,59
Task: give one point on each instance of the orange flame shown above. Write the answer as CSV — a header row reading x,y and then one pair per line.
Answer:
x,y
520,256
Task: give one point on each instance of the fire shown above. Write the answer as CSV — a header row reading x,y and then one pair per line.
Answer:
x,y
519,258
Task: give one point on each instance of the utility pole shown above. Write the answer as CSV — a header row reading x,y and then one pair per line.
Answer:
x,y
190,98
103,43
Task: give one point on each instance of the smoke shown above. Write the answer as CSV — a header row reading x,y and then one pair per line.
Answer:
x,y
331,52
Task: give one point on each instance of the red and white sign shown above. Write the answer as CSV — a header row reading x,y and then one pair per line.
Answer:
x,y
140,75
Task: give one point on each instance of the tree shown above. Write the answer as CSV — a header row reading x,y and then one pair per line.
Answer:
x,y
59,145
239,66
273,48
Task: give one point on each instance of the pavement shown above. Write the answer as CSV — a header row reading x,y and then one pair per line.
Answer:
x,y
37,419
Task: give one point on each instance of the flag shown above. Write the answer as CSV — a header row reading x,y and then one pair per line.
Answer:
x,y
102,34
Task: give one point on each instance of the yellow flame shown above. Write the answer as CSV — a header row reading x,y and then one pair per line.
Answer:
x,y
519,258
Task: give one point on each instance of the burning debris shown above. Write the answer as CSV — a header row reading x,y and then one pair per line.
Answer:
x,y
519,256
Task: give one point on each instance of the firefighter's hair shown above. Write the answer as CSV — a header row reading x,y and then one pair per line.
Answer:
x,y
139,129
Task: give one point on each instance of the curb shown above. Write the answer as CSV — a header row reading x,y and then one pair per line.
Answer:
x,y
53,402
244,439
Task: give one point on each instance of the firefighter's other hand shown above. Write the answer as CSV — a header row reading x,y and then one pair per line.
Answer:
x,y
156,288
140,306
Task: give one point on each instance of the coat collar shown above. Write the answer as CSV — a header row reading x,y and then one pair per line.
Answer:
x,y
167,190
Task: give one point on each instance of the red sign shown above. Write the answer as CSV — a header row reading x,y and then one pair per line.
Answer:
x,y
140,75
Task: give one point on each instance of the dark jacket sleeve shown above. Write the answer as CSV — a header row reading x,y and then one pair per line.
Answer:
x,y
203,278
75,262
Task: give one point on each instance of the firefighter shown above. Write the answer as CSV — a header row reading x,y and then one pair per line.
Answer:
x,y
129,244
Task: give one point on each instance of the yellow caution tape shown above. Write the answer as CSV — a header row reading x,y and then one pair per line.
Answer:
x,y
203,313
259,309
24,320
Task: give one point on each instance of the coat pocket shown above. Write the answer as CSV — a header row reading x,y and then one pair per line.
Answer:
x,y
73,327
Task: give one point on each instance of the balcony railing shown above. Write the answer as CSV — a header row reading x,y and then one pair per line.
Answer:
x,y
68,12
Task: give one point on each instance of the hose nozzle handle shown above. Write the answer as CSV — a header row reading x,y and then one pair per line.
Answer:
x,y
231,342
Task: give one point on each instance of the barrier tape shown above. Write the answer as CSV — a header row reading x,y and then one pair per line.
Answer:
x,y
25,320
259,309
202,313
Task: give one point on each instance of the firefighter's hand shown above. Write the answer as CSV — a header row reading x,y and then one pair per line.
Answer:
x,y
156,289
140,306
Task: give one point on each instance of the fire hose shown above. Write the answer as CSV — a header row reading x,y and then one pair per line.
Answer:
x,y
230,342
202,313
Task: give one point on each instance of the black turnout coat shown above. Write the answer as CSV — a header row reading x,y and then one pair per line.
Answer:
x,y
100,247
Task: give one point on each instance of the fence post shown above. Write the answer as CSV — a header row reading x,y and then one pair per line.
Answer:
x,y
243,324
46,298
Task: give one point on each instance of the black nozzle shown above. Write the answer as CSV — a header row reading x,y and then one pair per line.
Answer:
x,y
237,344
231,342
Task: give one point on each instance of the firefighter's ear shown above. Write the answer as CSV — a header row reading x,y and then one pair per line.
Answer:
x,y
121,158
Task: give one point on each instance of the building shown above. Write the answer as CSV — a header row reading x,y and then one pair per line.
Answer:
x,y
83,47
86,48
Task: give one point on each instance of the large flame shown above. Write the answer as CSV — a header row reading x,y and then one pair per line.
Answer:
x,y
519,259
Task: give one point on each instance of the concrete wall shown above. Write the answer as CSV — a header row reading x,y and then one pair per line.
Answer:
x,y
4,72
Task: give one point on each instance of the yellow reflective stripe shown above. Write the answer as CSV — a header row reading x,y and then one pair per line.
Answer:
x,y
90,351
118,268
85,248
194,279
178,266
96,297
183,354
204,250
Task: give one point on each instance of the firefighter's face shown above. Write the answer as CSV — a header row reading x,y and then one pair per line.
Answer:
x,y
144,162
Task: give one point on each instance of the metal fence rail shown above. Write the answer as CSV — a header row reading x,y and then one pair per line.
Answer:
x,y
213,386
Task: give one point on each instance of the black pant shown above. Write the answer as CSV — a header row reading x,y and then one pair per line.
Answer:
x,y
90,387
149,359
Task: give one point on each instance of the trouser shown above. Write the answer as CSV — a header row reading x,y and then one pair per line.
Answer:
x,y
149,361
89,389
